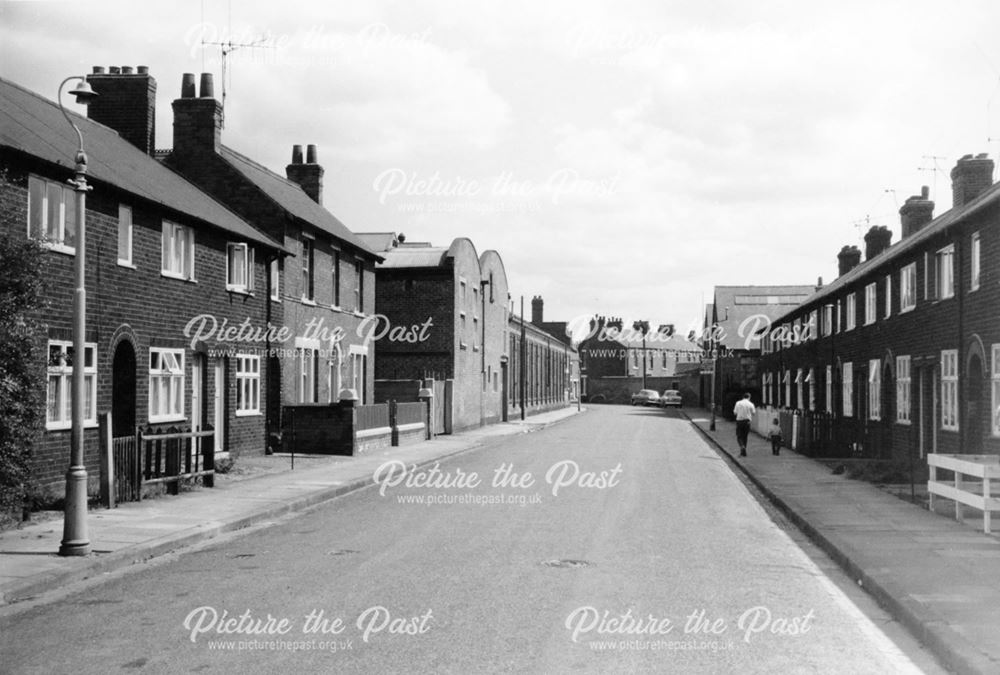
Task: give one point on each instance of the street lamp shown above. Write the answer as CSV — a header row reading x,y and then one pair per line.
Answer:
x,y
644,327
75,540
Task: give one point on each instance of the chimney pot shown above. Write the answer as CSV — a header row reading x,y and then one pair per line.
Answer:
x,y
142,70
296,154
537,306
114,70
308,175
187,85
878,239
207,87
126,70
916,212
848,258
311,154
98,70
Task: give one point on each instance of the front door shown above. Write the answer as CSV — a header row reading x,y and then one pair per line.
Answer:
x,y
219,407
123,390
975,420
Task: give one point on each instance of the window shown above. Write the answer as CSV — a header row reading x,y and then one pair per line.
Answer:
x,y
177,255
52,214
847,384
635,359
874,390
166,384
974,248
852,312
239,268
798,390
996,390
888,295
813,325
903,389
663,354
359,287
124,235
461,291
908,287
358,364
871,303
306,255
247,385
767,388
335,277
333,376
275,281
944,266
811,379
949,389
788,388
308,364
475,333
828,320
58,412
829,389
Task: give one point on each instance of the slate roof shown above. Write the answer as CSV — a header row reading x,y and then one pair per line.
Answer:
x,y
775,301
292,198
34,125
379,242
406,256
988,198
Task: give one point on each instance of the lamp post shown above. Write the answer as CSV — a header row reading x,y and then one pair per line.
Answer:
x,y
75,540
644,327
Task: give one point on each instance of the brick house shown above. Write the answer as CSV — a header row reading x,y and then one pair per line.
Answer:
x,y
616,361
155,243
734,321
325,290
546,359
454,302
905,346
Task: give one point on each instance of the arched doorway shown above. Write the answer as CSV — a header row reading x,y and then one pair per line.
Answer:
x,y
123,390
976,419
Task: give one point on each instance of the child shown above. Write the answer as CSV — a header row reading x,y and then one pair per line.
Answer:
x,y
774,433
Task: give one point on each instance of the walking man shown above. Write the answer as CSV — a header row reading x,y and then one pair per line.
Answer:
x,y
744,412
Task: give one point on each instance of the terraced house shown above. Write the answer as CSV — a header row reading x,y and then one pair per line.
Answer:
x,y
899,357
154,244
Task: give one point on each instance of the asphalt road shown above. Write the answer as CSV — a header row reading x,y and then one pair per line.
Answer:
x,y
631,547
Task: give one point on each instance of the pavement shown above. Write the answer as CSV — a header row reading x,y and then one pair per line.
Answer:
x,y
938,577
137,531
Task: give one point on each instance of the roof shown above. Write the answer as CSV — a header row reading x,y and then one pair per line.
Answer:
x,y
416,256
379,242
292,198
733,305
35,126
989,197
675,343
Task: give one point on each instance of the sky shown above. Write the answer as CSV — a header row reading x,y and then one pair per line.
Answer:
x,y
622,157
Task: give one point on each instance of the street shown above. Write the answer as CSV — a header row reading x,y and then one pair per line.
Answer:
x,y
617,541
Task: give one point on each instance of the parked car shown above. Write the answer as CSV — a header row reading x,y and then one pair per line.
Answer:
x,y
671,397
645,397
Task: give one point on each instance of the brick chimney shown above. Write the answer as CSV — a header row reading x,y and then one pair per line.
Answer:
x,y
819,283
878,239
126,102
849,258
197,120
970,178
666,329
916,212
537,305
308,174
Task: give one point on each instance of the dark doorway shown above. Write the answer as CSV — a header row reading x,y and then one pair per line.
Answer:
x,y
123,390
975,421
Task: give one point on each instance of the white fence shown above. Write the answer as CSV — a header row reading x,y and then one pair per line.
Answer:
x,y
983,467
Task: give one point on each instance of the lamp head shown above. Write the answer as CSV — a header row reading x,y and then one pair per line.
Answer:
x,y
83,93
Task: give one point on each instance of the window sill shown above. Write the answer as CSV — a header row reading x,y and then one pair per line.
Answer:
x,y
307,301
248,413
239,290
179,277
358,314
166,419
905,423
126,263
462,345
67,426
60,248
905,310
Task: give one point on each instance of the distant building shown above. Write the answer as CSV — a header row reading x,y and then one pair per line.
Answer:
x,y
735,321
544,357
616,361
455,302
902,351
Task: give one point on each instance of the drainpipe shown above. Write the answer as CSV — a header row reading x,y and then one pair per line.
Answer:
x,y
962,381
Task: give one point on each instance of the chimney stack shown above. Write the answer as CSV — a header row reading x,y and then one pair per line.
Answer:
x,y
197,121
309,174
819,283
916,212
537,305
878,239
849,258
126,102
970,178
